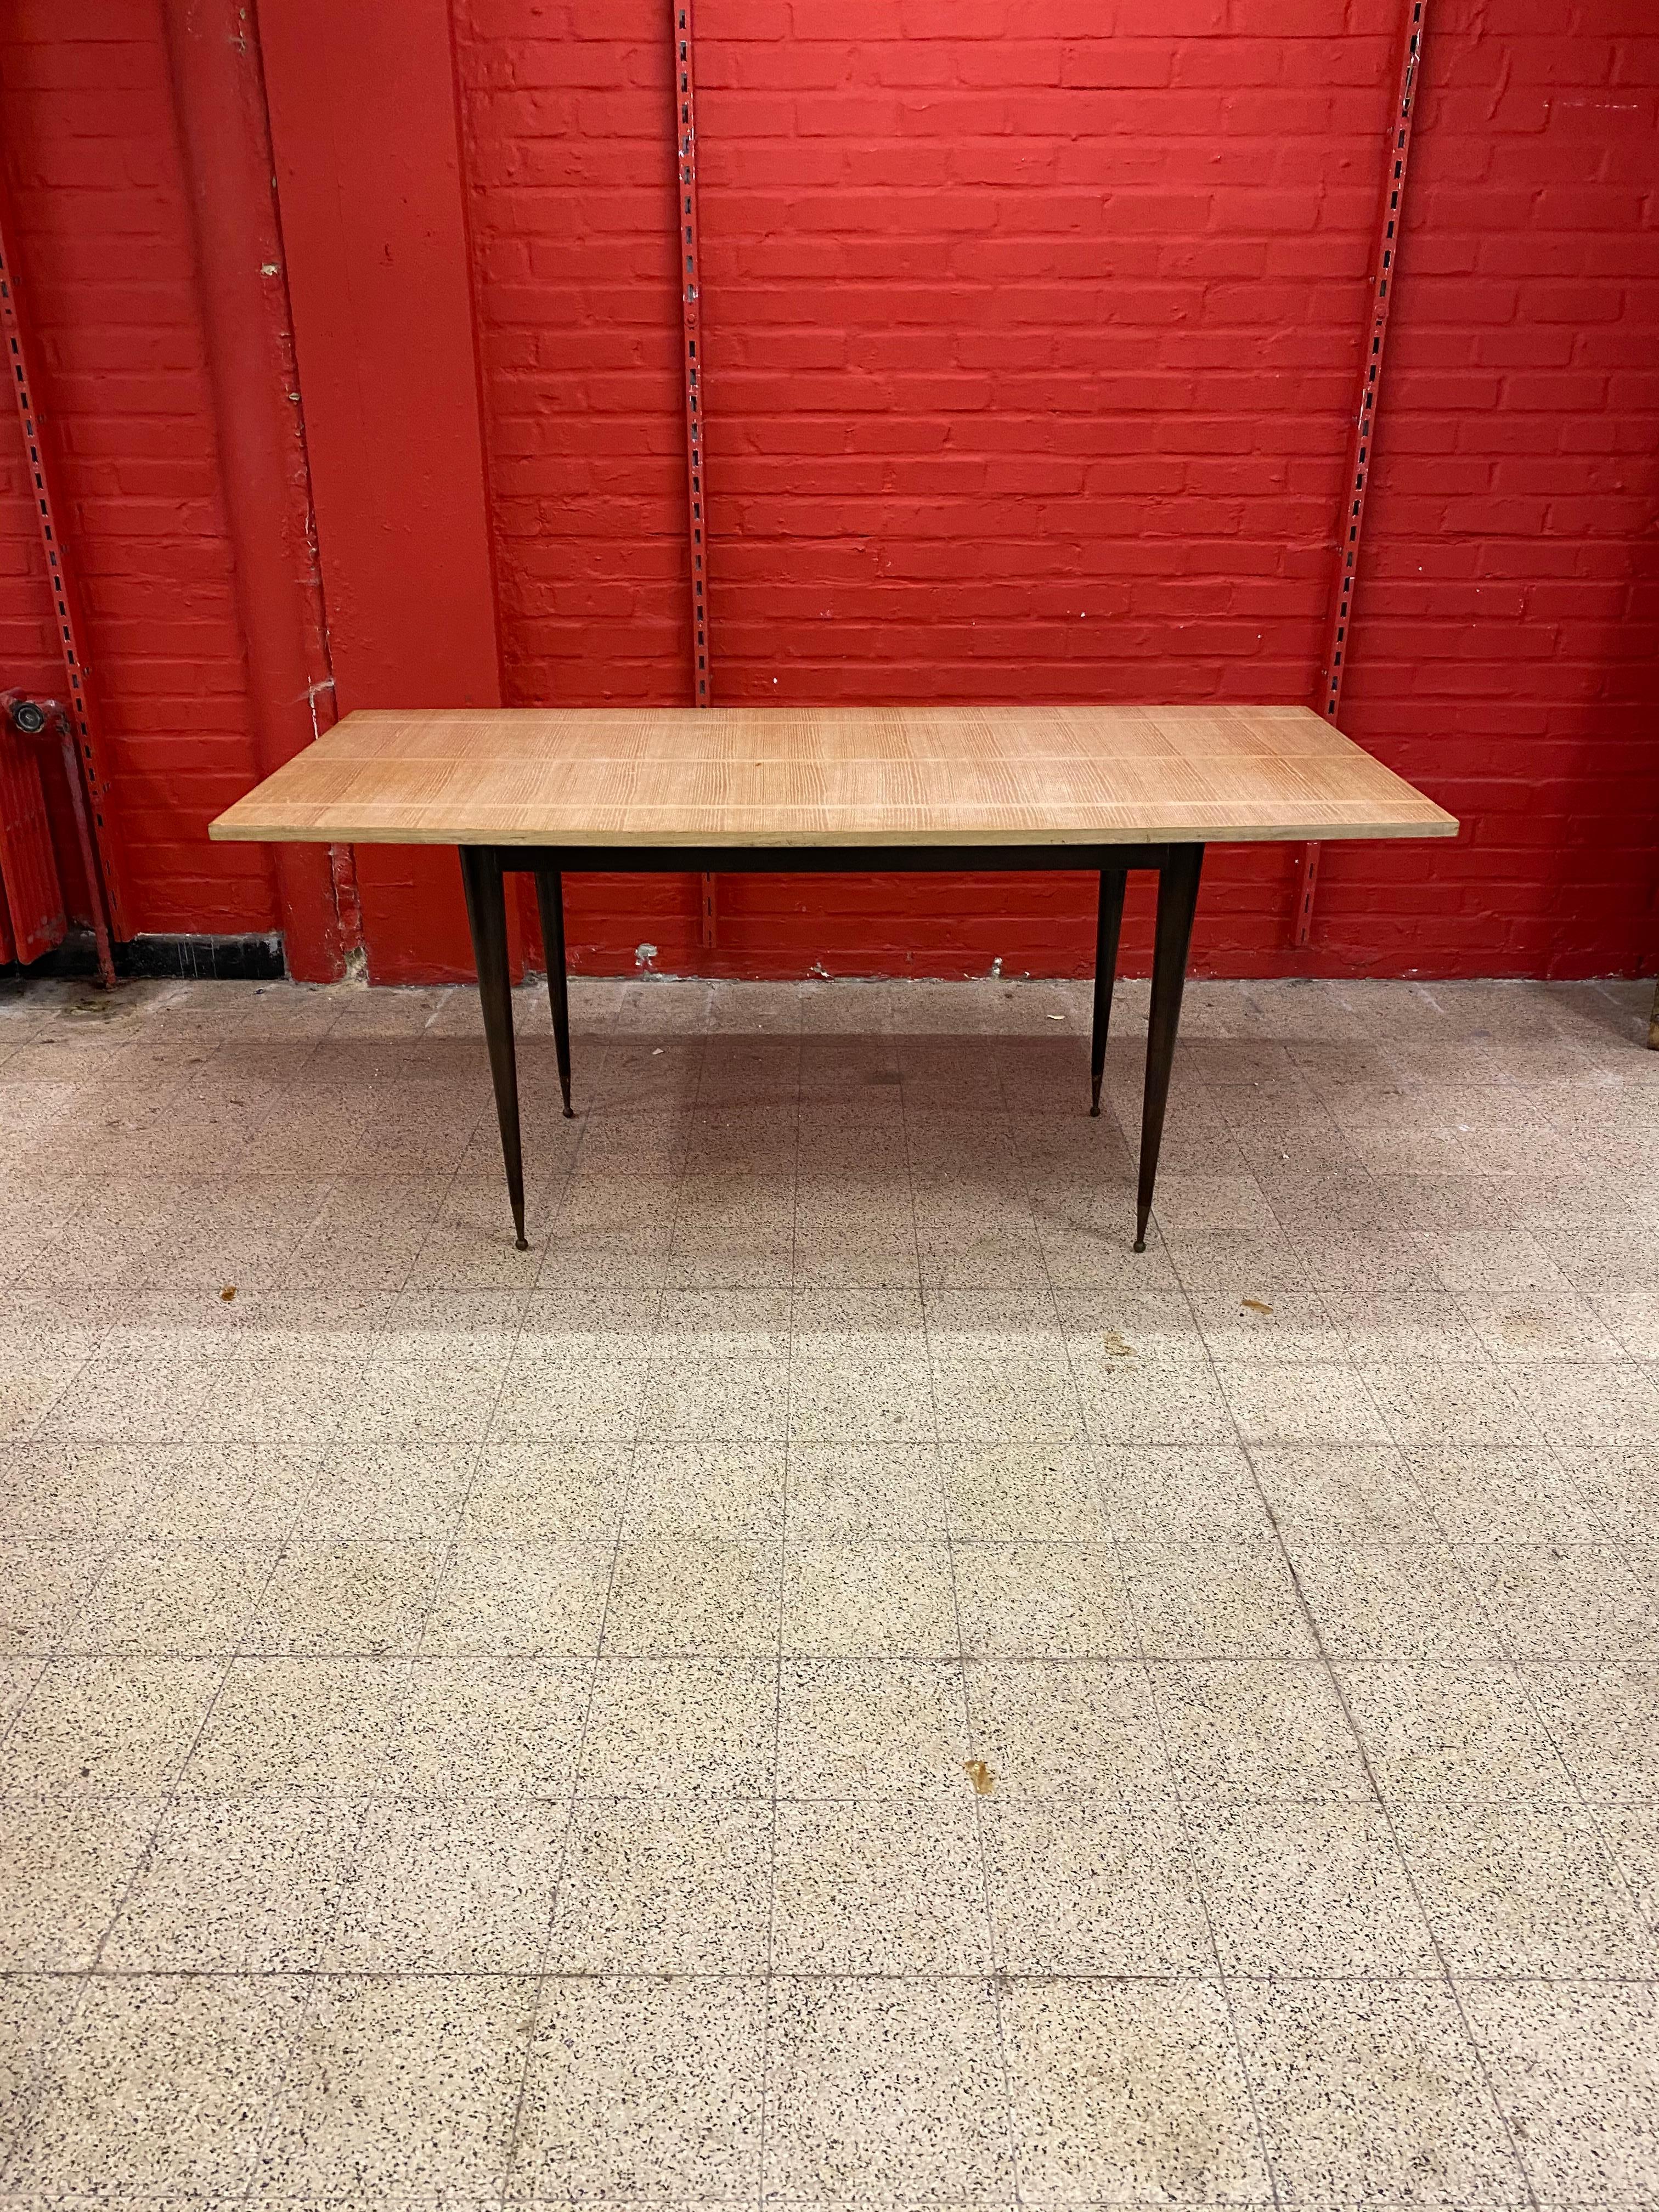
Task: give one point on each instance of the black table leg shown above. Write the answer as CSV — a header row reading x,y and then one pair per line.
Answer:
x,y
486,915
1112,881
1177,897
550,898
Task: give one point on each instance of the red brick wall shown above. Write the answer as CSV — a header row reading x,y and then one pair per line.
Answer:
x,y
1504,653
1031,331
1031,334
105,271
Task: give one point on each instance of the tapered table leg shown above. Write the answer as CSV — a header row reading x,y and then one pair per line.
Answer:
x,y
486,915
550,898
1110,922
1177,897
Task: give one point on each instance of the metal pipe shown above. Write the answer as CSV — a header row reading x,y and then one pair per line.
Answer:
x,y
89,854
32,914
224,134
38,722
1357,480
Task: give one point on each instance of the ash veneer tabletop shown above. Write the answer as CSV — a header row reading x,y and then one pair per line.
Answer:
x,y
832,788
809,776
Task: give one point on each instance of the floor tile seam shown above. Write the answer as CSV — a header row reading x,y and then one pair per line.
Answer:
x,y
362,1811
1004,2068
1110,1803
314,1984
971,1739
16,1715
170,1796
1383,1806
1126,1556
1465,1299
513,2145
1016,2148
166,1801
966,1654
1172,1768
1188,1873
653,1977
35,1432
764,2115
440,1571
1503,1638
119,1545
1613,1859
506,1363
1591,1806
378,1330
328,1187
1403,1448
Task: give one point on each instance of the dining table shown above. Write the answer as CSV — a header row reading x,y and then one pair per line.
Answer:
x,y
621,790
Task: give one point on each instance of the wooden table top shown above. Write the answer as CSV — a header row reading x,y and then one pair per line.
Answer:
x,y
832,775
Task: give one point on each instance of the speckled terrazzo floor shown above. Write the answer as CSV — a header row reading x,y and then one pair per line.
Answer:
x,y
827,1680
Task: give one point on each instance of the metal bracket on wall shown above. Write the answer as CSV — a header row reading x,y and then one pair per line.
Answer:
x,y
1357,480
88,750
685,87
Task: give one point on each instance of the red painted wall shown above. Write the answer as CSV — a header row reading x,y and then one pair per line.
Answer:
x,y
1504,653
365,132
1031,328
108,277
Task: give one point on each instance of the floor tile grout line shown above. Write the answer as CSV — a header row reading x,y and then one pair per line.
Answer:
x,y
764,2116
1188,1869
1465,1977
450,1180
1457,1545
169,1801
1592,1809
402,1706
654,1977
1402,1448
922,1655
95,1353
117,1545
992,1979
488,1423
1311,1623
538,1978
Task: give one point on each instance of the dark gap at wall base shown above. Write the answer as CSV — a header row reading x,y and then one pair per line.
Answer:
x,y
159,957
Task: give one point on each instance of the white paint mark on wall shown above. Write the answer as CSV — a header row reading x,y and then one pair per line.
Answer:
x,y
644,954
312,689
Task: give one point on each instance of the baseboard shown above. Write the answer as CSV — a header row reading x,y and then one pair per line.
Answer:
x,y
220,959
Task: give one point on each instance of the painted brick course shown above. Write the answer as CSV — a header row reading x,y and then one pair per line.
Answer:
x,y
1032,336
1032,333
106,271
1505,646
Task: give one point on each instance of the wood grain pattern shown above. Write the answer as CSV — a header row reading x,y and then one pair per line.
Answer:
x,y
815,776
